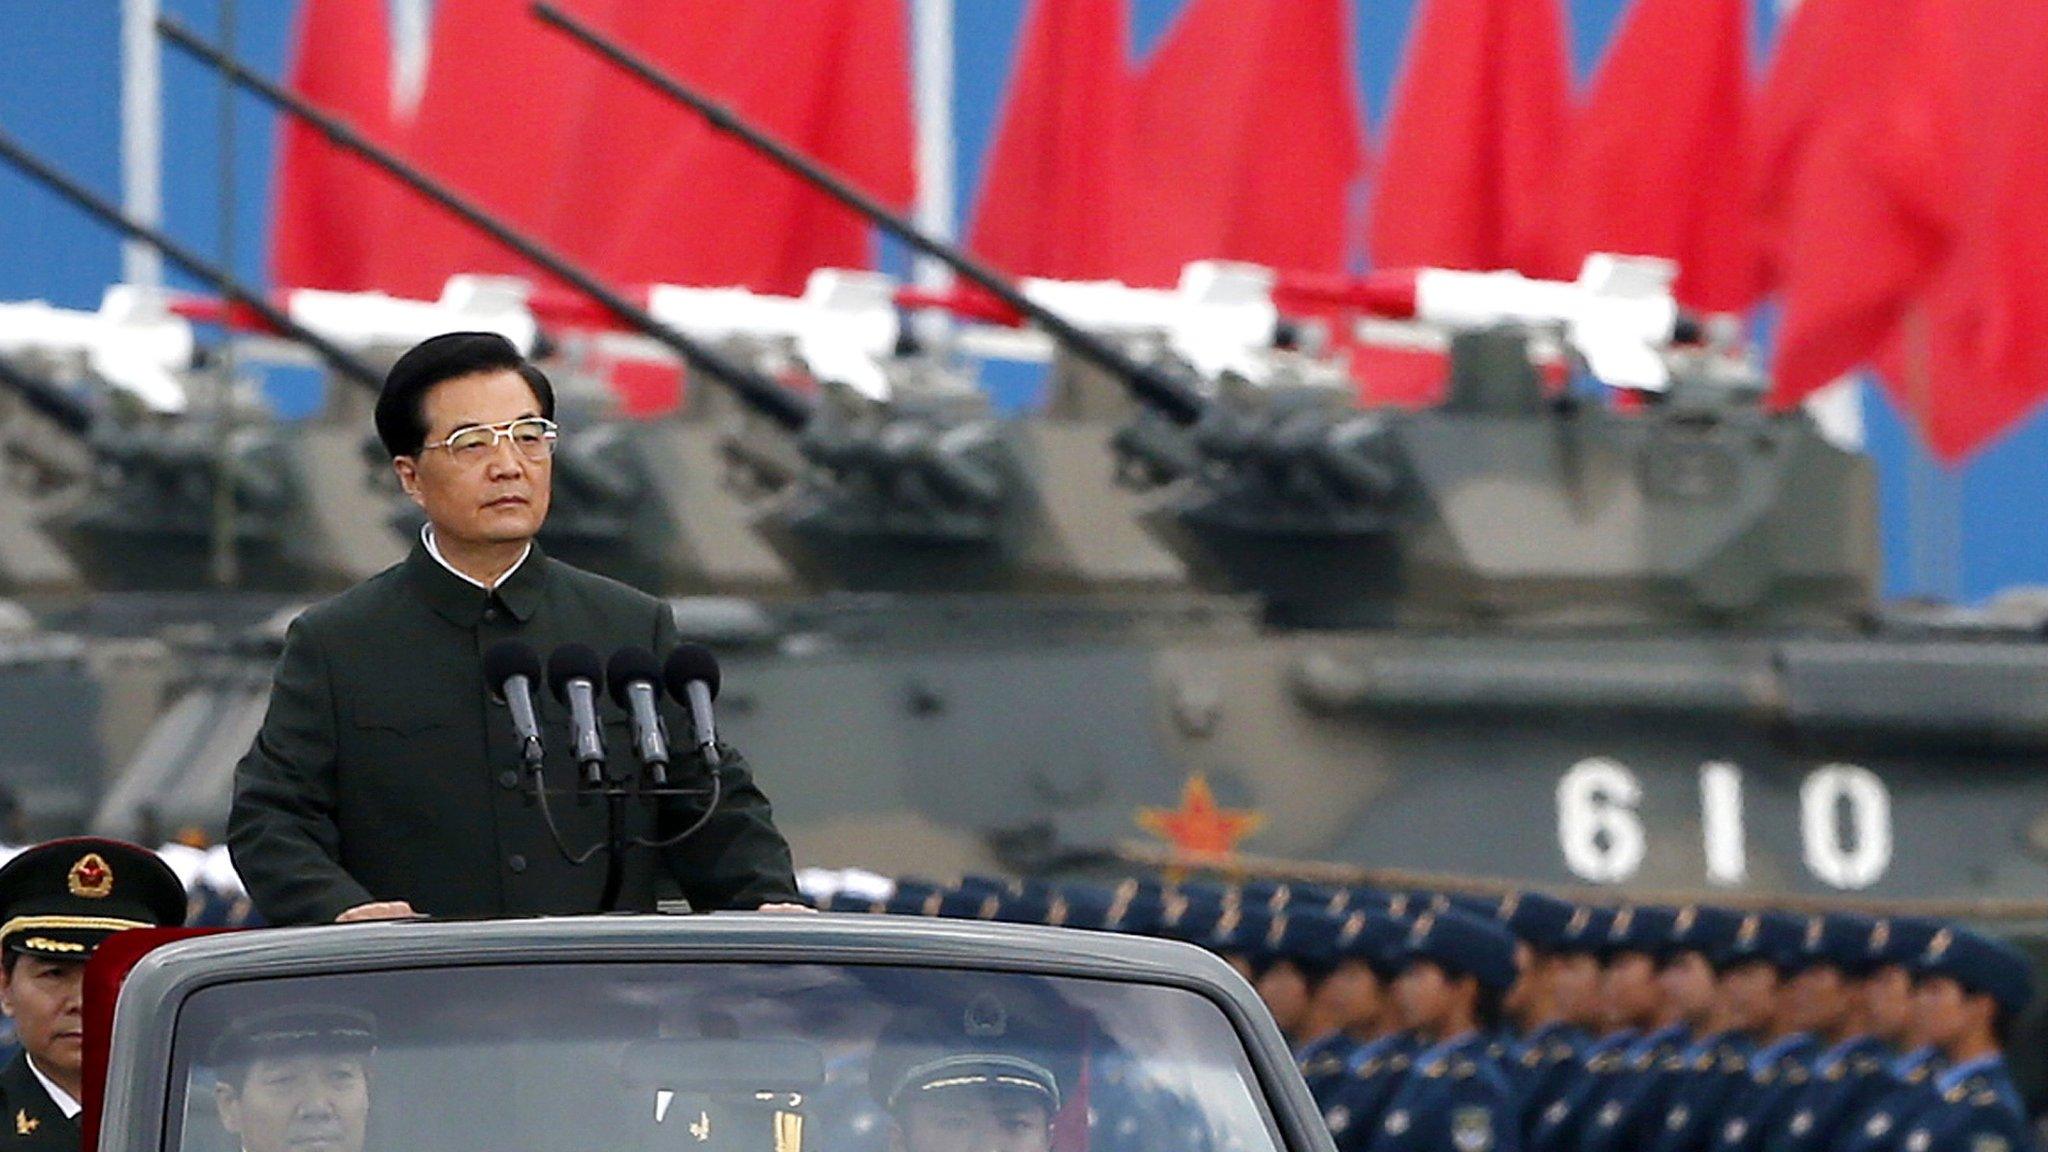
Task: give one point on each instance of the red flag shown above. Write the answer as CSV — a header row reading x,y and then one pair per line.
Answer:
x,y
1885,191
1052,192
1655,159
1248,142
1972,359
656,196
501,90
1467,177
323,232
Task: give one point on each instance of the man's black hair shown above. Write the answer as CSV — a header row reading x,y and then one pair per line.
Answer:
x,y
401,416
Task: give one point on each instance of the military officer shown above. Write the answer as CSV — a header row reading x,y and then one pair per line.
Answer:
x,y
382,782
1969,988
1634,1113
983,1076
1350,1005
58,900
1745,1013
1783,1063
1829,998
1909,1077
1456,969
296,1079
1631,1044
1556,1034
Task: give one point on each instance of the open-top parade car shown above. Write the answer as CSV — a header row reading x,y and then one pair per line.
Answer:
x,y
725,1033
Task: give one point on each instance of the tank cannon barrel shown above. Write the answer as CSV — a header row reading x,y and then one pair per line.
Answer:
x,y
789,409
97,206
1155,389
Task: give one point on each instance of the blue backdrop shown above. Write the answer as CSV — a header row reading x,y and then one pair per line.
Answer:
x,y
60,94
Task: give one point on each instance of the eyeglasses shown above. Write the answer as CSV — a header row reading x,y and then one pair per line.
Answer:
x,y
533,436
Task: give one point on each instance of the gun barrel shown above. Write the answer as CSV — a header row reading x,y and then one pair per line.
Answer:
x,y
1152,387
94,204
790,409
65,411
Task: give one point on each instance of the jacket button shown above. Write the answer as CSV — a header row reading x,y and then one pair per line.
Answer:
x,y
516,862
490,614
508,779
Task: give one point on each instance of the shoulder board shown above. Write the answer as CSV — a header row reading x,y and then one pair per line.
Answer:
x,y
1673,1064
1836,1072
1985,1099
1798,1076
1560,1052
1868,1065
1644,1062
1434,1068
1766,1076
1957,1094
1464,1070
1733,1063
1532,1057
1369,1068
1399,1061
1496,1050
1917,1075
1705,1061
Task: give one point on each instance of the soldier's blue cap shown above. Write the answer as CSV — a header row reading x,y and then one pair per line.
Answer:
x,y
1188,920
1586,931
1307,938
1464,945
1981,964
915,898
1645,930
1375,939
1538,919
1838,940
1083,906
1900,940
849,901
1023,908
957,904
1265,895
1770,937
1704,929
1348,900
1140,915
59,899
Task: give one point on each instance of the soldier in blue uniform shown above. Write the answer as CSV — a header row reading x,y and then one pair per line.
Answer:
x,y
1830,1001
1574,987
1719,1076
1909,1078
1969,988
1456,969
58,901
1633,1115
1376,1068
1782,1065
1351,1003
1633,1042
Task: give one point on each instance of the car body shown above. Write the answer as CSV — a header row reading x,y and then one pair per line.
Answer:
x,y
556,1034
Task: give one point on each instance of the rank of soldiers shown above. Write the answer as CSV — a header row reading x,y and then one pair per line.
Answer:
x,y
1424,1021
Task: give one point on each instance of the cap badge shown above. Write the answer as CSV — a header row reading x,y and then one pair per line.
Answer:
x,y
1938,947
1881,936
1746,935
25,1124
985,1018
1423,924
91,878
1813,928
1683,924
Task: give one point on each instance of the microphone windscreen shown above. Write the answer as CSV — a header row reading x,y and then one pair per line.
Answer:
x,y
628,666
690,662
573,662
506,659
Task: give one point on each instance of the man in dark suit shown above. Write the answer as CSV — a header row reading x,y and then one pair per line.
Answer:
x,y
384,782
57,902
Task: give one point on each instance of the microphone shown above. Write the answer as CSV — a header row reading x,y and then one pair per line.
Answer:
x,y
510,671
635,680
692,678
575,676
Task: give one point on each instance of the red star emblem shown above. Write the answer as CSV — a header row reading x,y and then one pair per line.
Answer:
x,y
1199,825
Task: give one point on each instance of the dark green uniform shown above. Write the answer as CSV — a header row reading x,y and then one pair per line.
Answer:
x,y
384,771
29,1120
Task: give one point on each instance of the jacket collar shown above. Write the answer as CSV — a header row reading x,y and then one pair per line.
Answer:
x,y
461,603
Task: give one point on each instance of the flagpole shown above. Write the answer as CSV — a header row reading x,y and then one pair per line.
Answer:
x,y
932,76
142,122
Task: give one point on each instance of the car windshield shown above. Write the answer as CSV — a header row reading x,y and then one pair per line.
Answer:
x,y
704,1057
